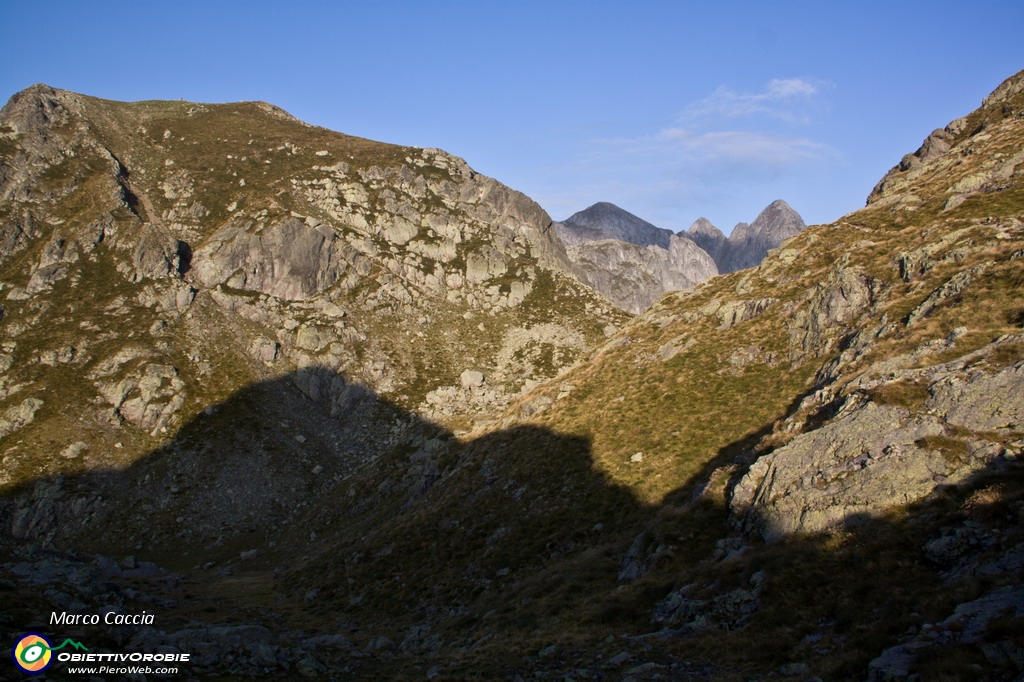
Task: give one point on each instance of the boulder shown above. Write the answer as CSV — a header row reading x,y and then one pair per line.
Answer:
x,y
471,379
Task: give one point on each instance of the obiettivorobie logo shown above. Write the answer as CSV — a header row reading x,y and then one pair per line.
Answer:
x,y
33,653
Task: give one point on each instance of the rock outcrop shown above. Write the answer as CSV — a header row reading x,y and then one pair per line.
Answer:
x,y
302,246
634,276
872,457
632,262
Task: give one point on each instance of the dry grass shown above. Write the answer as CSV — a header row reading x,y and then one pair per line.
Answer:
x,y
903,393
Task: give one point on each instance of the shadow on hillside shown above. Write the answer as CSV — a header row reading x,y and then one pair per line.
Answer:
x,y
279,447
308,503
239,467
309,473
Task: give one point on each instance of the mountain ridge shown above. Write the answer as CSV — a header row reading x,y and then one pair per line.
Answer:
x,y
748,244
605,220
180,230
632,262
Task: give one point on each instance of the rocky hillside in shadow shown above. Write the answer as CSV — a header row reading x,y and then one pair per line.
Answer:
x,y
865,367
218,405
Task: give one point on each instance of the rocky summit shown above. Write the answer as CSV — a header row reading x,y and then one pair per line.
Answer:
x,y
749,243
336,409
632,262
604,220
629,260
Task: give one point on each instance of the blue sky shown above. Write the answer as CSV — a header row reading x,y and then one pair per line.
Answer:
x,y
672,110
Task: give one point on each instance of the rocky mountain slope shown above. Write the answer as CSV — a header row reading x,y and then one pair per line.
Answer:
x,y
748,244
629,260
856,398
224,243
806,469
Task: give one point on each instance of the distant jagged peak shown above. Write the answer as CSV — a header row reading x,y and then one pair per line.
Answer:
x,y
777,221
741,232
750,242
605,220
705,228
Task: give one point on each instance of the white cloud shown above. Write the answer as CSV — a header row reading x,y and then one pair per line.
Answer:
x,y
742,152
709,141
745,148
780,88
726,150
783,98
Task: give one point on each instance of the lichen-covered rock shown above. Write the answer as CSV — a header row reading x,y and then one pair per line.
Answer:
x,y
728,610
733,312
829,308
17,416
147,397
859,464
157,255
871,457
289,260
982,401
967,627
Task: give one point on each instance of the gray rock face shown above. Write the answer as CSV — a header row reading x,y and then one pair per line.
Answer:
x,y
874,456
157,255
710,238
629,260
748,244
967,625
777,222
633,276
858,464
290,261
17,416
831,306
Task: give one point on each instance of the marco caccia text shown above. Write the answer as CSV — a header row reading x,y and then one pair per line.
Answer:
x,y
110,618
